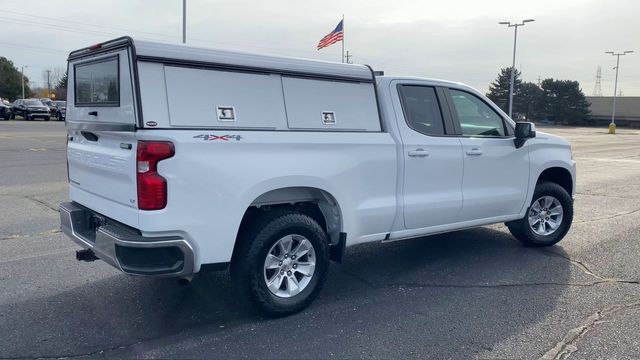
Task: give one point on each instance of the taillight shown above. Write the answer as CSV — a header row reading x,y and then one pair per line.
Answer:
x,y
152,188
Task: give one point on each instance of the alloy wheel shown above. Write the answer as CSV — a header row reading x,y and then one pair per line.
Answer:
x,y
545,215
289,266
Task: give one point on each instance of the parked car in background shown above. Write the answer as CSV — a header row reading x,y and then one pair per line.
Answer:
x,y
5,110
61,109
30,109
53,110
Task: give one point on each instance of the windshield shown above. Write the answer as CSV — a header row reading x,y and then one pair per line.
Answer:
x,y
33,103
60,103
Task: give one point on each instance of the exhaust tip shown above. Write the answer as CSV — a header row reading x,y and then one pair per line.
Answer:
x,y
184,281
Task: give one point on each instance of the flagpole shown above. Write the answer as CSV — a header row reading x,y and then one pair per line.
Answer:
x,y
343,34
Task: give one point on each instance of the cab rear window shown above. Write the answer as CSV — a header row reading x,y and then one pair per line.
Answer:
x,y
97,83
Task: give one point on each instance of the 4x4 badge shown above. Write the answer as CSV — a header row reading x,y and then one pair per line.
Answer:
x,y
212,137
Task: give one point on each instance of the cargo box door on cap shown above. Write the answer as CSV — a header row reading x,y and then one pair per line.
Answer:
x,y
224,99
330,105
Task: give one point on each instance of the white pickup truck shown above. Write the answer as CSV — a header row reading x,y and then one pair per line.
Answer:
x,y
183,160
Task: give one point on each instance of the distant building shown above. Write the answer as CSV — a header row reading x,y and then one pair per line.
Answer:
x,y
627,110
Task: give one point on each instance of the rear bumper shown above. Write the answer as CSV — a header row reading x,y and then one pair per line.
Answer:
x,y
123,247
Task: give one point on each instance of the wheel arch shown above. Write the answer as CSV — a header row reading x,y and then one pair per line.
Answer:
x,y
317,203
558,175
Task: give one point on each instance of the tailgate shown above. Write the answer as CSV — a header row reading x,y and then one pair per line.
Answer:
x,y
101,121
103,164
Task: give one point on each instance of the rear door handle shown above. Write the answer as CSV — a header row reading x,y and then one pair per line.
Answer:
x,y
418,153
474,152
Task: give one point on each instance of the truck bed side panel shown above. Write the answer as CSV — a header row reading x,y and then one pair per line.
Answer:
x,y
215,176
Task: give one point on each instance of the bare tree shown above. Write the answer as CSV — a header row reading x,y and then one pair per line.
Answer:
x,y
51,77
56,74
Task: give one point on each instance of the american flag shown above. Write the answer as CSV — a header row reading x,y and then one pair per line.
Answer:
x,y
333,37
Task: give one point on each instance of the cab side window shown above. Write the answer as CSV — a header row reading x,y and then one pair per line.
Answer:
x,y
476,117
422,109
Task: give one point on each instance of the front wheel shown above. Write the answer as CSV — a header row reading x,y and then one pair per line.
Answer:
x,y
282,262
548,218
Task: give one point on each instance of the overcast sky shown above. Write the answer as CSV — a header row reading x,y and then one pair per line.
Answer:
x,y
454,40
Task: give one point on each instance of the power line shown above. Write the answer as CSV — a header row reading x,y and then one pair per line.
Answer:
x,y
58,27
127,30
88,24
33,48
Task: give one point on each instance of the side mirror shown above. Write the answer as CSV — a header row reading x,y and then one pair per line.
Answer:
x,y
524,131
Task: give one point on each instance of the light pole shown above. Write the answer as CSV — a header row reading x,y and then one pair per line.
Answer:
x,y
22,71
612,126
184,21
513,66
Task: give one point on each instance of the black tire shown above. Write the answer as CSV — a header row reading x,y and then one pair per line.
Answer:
x,y
521,230
47,118
27,117
255,242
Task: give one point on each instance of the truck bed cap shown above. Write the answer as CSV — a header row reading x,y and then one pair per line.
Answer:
x,y
183,54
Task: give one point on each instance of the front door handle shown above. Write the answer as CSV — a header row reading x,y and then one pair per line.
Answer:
x,y
418,153
474,152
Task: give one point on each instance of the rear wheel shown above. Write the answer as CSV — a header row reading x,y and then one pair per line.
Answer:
x,y
548,218
282,262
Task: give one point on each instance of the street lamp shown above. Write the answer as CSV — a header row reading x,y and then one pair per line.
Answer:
x,y
22,71
513,66
612,126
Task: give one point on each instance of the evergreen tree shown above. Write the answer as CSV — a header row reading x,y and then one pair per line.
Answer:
x,y
499,89
61,87
62,83
11,81
528,104
564,102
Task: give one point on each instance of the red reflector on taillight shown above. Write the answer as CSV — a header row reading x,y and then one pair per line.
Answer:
x,y
152,188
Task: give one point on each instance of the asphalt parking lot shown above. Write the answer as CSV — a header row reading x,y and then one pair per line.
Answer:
x,y
471,294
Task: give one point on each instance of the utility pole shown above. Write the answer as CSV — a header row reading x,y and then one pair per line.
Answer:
x,y
22,71
48,83
612,126
348,58
513,66
597,89
184,21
